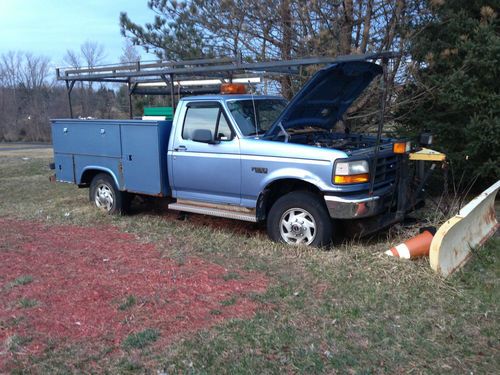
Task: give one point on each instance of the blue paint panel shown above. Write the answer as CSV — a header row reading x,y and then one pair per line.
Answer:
x,y
141,159
97,145
64,167
101,163
326,96
87,137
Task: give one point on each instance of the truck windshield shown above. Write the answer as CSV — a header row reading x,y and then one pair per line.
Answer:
x,y
267,111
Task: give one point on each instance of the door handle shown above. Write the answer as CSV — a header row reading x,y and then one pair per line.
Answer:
x,y
180,148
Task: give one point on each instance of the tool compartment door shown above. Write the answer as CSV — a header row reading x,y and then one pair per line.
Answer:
x,y
141,158
64,167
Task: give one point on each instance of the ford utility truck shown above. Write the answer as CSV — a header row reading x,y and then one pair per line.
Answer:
x,y
246,157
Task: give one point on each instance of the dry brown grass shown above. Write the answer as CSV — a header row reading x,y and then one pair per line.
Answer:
x,y
347,310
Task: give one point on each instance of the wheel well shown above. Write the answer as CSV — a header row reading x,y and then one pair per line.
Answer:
x,y
277,189
89,174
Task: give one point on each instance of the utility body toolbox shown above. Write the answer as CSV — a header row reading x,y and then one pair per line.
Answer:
x,y
133,152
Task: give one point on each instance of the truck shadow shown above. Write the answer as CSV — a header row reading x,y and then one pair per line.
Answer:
x,y
159,207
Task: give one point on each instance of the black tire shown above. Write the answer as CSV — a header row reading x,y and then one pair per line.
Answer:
x,y
291,216
105,195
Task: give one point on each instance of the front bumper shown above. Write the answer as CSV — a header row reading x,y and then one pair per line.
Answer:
x,y
359,206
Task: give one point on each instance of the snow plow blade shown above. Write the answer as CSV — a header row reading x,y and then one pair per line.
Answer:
x,y
455,240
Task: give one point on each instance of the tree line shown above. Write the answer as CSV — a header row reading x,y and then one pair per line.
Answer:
x,y
30,95
443,80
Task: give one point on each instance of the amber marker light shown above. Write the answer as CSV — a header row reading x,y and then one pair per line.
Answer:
x,y
354,179
401,147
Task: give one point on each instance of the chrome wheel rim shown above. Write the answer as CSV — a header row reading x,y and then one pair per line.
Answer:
x,y
104,198
297,226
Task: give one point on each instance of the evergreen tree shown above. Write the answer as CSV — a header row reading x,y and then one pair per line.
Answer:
x,y
173,35
455,88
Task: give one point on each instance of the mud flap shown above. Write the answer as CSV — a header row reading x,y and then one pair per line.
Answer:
x,y
455,240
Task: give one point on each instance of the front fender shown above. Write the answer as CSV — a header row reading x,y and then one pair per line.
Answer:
x,y
296,174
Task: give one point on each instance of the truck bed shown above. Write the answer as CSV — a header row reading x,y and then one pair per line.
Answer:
x,y
133,152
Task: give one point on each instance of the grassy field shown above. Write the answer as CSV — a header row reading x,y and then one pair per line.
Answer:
x,y
347,310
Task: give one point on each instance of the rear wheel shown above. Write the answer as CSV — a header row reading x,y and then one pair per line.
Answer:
x,y
299,218
106,196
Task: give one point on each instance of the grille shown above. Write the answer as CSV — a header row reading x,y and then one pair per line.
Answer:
x,y
386,170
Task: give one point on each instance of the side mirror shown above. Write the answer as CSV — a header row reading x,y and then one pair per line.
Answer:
x,y
203,135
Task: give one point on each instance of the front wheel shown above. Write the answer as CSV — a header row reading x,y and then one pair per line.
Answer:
x,y
106,196
299,218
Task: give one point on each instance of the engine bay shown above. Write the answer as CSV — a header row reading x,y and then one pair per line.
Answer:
x,y
319,137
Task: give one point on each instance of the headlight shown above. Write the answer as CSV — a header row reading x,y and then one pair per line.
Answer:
x,y
351,172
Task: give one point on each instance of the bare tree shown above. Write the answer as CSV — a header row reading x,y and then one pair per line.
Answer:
x,y
35,71
72,59
129,53
10,64
92,53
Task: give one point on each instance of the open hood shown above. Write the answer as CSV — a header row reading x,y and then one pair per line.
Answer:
x,y
326,96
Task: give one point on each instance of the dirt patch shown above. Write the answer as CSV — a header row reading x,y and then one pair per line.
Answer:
x,y
77,284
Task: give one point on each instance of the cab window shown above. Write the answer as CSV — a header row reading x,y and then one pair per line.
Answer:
x,y
206,117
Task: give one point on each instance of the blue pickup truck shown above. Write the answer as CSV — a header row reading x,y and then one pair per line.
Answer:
x,y
245,157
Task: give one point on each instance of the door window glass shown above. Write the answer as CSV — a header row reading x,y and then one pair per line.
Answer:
x,y
200,118
206,118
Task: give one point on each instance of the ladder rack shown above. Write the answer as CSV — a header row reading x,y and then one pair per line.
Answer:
x,y
170,73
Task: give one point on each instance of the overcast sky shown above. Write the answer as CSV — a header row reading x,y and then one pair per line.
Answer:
x,y
50,27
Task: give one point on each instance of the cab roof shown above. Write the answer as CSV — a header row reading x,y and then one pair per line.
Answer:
x,y
226,97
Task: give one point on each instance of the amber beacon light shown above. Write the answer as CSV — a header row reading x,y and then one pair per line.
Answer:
x,y
233,88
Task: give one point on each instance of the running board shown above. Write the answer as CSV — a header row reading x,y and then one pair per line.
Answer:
x,y
212,211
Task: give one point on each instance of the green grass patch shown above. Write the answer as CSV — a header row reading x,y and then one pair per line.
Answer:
x,y
16,343
231,276
22,280
27,303
129,302
229,302
129,366
141,339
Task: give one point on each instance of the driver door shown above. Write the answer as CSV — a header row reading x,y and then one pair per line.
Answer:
x,y
207,168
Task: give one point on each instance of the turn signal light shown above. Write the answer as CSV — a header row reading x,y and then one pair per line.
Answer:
x,y
401,147
352,179
233,88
